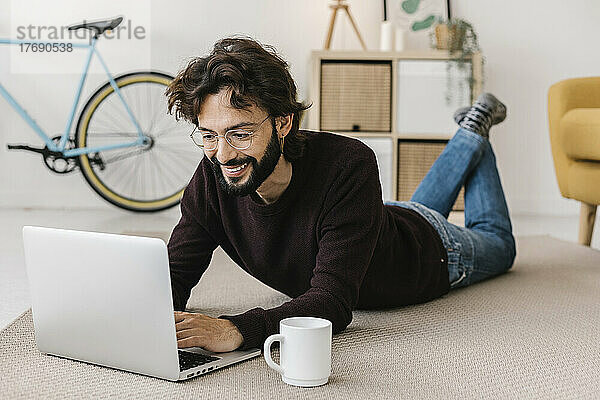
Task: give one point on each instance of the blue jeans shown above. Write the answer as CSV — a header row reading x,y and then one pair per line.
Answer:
x,y
485,247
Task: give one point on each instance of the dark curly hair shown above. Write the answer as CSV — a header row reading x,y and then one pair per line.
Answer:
x,y
254,74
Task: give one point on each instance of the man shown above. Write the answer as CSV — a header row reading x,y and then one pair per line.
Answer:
x,y
302,211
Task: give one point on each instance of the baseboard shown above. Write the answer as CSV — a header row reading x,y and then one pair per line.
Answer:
x,y
543,206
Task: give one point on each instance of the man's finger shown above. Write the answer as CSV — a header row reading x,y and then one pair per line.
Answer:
x,y
193,341
179,316
186,333
183,324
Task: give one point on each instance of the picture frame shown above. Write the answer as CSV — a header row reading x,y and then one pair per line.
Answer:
x,y
416,17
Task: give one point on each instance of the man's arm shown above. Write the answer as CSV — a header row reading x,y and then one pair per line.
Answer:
x,y
349,230
190,246
190,252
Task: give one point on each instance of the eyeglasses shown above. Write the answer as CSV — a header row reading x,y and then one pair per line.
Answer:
x,y
239,139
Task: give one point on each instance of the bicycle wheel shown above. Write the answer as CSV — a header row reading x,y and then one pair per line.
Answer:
x,y
143,178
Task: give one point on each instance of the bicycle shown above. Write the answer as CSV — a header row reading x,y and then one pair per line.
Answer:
x,y
127,153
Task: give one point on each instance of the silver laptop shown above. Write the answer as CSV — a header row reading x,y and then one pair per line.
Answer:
x,y
106,299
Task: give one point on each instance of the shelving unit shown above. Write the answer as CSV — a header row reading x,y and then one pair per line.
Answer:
x,y
396,103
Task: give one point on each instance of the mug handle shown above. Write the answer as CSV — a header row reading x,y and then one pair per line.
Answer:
x,y
267,352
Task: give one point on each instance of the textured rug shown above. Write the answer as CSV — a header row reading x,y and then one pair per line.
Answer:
x,y
531,333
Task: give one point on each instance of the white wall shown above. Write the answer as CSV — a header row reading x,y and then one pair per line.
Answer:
x,y
178,31
527,46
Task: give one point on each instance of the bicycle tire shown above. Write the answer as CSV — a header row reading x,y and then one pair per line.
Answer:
x,y
97,122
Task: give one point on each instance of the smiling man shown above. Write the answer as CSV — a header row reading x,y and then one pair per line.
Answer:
x,y
303,212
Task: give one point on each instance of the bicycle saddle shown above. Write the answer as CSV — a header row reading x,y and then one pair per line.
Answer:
x,y
99,27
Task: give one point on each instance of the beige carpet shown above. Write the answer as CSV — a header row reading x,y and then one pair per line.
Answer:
x,y
531,333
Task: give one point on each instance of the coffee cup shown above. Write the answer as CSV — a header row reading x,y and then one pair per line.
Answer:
x,y
305,351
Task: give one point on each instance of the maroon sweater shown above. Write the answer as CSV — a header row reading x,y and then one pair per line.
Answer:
x,y
328,241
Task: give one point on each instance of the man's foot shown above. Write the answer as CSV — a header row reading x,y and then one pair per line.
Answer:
x,y
479,118
460,114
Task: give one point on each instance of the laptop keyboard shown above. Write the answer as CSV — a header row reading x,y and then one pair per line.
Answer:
x,y
189,360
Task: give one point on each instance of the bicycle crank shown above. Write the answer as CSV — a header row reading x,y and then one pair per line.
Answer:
x,y
56,161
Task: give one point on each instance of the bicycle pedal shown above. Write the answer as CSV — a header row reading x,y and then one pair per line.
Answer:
x,y
25,147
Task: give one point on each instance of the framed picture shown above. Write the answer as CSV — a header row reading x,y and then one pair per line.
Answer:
x,y
417,18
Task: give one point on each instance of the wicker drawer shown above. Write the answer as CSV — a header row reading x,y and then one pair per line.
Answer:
x,y
356,96
415,158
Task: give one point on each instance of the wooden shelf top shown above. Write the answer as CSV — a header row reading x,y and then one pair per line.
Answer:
x,y
427,54
391,135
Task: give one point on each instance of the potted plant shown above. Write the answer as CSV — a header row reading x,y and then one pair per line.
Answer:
x,y
458,37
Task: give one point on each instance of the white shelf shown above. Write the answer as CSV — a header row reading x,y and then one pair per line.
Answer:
x,y
426,116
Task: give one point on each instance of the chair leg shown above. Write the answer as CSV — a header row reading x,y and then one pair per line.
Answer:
x,y
586,223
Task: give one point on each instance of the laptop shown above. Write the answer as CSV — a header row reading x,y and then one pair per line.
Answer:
x,y
106,299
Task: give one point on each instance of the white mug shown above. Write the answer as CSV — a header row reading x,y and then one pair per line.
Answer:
x,y
305,351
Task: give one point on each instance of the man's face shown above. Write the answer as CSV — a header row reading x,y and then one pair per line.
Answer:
x,y
258,161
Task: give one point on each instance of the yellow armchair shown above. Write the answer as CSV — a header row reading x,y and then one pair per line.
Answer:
x,y
574,120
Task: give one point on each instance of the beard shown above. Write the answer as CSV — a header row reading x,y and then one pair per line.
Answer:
x,y
260,169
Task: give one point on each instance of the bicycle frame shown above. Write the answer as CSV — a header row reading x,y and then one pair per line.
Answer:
x,y
61,147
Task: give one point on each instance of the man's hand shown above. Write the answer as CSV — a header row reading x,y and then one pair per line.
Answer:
x,y
212,334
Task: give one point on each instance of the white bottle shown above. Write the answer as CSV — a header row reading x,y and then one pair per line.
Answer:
x,y
400,39
386,42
